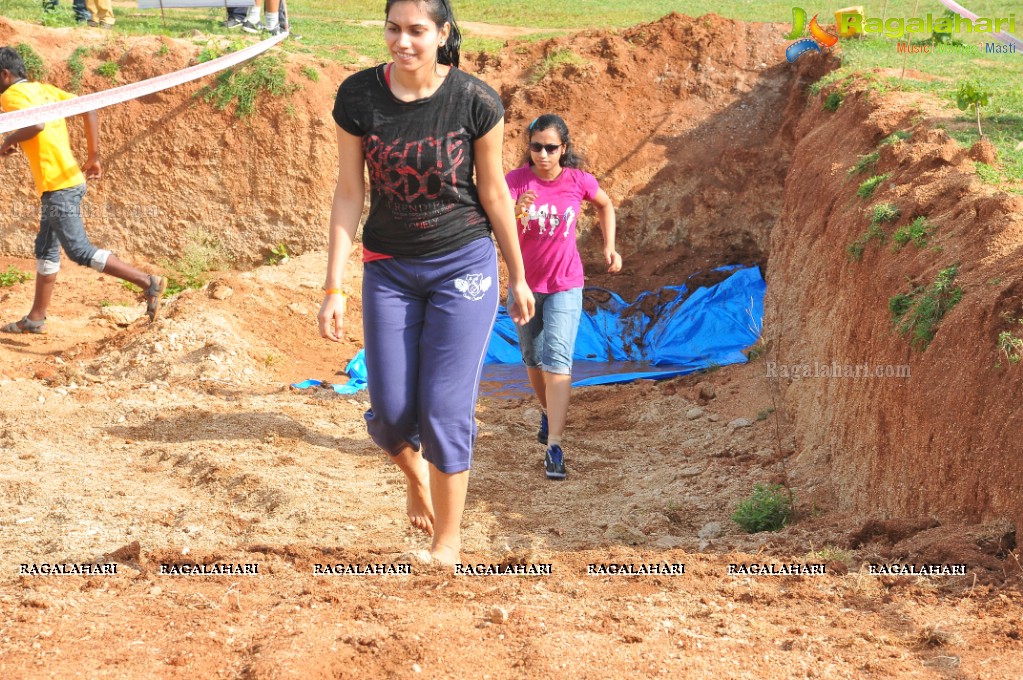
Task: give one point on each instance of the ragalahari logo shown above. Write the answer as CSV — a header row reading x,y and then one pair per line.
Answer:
x,y
819,38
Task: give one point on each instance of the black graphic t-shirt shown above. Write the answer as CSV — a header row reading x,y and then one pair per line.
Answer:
x,y
423,198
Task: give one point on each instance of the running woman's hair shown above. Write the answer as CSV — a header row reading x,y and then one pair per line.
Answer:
x,y
12,61
440,11
569,158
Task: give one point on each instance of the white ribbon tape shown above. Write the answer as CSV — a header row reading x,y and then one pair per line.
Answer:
x,y
1006,38
16,120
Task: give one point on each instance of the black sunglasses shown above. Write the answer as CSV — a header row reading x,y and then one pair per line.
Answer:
x,y
537,147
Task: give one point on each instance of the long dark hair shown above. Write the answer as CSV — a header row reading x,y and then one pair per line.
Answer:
x,y
569,158
440,11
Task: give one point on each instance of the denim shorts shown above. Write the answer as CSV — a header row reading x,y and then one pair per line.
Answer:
x,y
548,340
60,225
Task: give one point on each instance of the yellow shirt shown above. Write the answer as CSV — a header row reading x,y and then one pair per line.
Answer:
x,y
49,153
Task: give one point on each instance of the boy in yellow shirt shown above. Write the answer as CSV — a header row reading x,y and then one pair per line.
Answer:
x,y
61,186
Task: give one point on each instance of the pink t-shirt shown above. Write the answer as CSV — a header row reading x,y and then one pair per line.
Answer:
x,y
547,231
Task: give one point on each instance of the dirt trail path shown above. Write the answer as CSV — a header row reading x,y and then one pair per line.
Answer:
x,y
213,459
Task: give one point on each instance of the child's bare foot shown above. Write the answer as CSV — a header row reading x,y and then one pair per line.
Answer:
x,y
445,554
419,506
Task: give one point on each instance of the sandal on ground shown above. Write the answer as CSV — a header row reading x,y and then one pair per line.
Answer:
x,y
25,325
154,294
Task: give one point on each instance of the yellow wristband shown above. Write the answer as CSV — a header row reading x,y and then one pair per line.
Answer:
x,y
334,291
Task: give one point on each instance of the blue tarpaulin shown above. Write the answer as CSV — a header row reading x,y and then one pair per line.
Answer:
x,y
682,333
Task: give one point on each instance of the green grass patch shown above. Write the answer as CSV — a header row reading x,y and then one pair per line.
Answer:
x,y
551,62
201,255
12,276
55,17
243,85
35,68
882,213
76,67
311,73
868,186
916,314
918,232
769,508
1011,346
864,163
988,174
896,137
856,249
833,101
109,69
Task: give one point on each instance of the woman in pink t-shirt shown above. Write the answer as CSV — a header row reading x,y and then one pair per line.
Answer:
x,y
548,194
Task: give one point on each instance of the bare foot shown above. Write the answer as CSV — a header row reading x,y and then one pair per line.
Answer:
x,y
419,506
445,554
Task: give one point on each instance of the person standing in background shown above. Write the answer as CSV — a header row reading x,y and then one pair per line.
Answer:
x,y
102,13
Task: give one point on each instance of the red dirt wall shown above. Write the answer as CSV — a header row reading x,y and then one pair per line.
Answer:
x,y
945,441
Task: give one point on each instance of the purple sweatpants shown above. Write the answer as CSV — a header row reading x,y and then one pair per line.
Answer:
x,y
427,322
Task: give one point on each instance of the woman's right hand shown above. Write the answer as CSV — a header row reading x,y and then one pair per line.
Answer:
x,y
523,203
332,317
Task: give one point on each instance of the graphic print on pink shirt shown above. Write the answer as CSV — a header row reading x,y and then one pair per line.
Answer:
x,y
547,232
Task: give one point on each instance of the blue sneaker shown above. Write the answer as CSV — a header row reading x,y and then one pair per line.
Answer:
x,y
541,434
554,461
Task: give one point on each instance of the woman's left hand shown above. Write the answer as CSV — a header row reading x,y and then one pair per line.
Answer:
x,y
614,261
523,305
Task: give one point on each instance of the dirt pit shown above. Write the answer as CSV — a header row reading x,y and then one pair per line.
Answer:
x,y
181,443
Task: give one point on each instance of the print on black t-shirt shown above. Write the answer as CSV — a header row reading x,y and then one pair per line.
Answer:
x,y
410,171
423,198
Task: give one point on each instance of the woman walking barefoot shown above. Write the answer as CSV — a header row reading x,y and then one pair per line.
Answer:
x,y
423,129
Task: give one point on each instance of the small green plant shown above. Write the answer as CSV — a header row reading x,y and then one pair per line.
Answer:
x,y
1011,346
35,67
131,287
164,50
859,246
765,413
311,73
864,163
244,83
278,254
76,67
868,186
109,69
201,255
552,61
883,213
896,137
12,276
969,96
916,314
769,508
833,101
918,231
